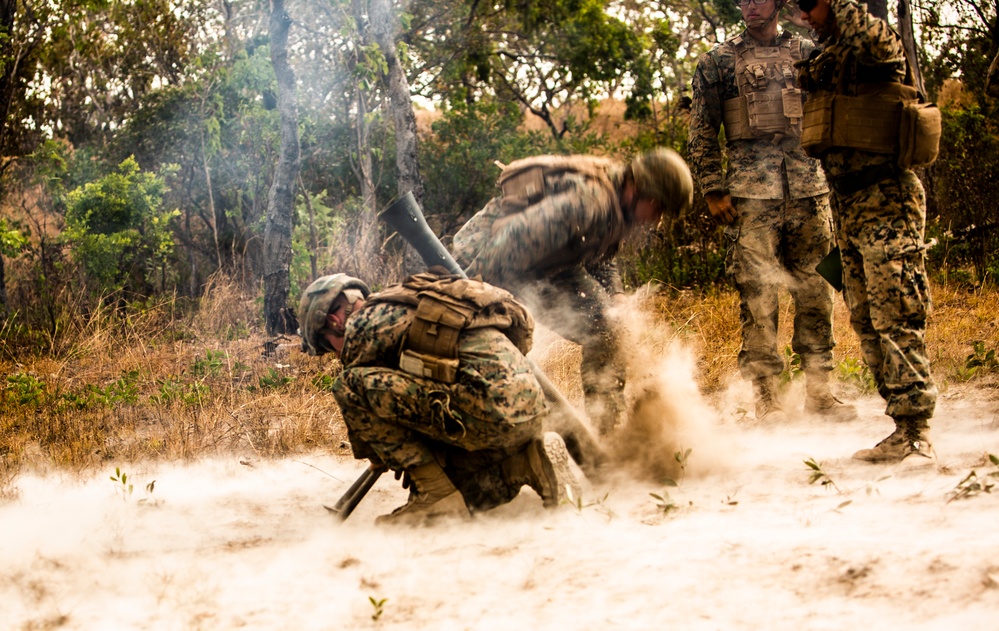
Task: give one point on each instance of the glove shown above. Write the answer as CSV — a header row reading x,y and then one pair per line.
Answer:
x,y
407,482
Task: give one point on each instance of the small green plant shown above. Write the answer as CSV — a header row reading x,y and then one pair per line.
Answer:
x,y
979,362
211,365
680,457
664,502
856,373
125,389
973,484
818,475
125,488
272,380
323,382
598,504
196,393
24,389
122,485
379,605
149,499
792,366
170,389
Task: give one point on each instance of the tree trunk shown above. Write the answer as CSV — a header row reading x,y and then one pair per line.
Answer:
x,y
383,29
280,203
313,237
909,42
4,305
366,254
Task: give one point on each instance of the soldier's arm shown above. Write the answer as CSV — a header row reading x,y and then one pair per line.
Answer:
x,y
872,40
704,153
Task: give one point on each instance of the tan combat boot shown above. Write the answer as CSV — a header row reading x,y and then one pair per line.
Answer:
x,y
909,444
543,464
432,495
819,399
768,405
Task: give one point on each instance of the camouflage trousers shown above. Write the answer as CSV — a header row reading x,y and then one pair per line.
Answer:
x,y
405,421
880,232
573,304
773,244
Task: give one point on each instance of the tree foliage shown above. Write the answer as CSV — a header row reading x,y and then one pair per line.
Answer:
x,y
138,107
117,231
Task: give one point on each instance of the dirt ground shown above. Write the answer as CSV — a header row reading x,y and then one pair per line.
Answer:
x,y
744,541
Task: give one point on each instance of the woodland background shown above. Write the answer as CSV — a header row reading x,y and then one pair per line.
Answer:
x,y
174,172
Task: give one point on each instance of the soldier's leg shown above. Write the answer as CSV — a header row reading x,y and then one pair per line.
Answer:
x,y
432,493
757,274
573,305
900,297
808,237
890,220
489,478
373,436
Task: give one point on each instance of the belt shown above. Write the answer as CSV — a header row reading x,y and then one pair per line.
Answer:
x,y
851,183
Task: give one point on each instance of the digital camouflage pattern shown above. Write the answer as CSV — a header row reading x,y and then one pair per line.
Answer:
x,y
492,410
758,168
867,46
880,229
774,243
553,256
880,234
564,230
783,224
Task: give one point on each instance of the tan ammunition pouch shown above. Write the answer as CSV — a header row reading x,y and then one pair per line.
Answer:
x,y
888,119
769,104
919,135
445,306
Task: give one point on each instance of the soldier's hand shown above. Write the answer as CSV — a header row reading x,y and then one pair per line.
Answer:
x,y
720,207
406,480
793,16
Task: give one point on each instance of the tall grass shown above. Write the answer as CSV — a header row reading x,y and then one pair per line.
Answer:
x,y
174,381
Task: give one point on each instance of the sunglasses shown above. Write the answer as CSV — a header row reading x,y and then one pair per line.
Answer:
x,y
806,6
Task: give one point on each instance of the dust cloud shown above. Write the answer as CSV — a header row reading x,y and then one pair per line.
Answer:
x,y
743,541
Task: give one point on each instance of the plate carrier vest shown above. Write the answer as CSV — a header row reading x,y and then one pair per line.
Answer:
x,y
769,104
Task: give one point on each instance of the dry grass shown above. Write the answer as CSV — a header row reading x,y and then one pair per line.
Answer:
x,y
162,385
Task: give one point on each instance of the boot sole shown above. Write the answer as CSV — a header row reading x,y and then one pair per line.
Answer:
x,y
558,471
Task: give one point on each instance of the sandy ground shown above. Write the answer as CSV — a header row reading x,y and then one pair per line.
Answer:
x,y
750,544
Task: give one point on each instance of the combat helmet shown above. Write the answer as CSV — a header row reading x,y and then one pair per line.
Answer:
x,y
663,175
315,304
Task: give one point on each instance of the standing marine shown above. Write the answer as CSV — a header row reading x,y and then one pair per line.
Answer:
x,y
869,126
774,199
551,236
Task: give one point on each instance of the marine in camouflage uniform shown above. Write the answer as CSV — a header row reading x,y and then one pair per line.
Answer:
x,y
476,430
880,214
775,199
551,238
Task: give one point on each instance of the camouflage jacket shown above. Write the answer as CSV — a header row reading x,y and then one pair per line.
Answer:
x,y
494,379
757,167
566,229
860,49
